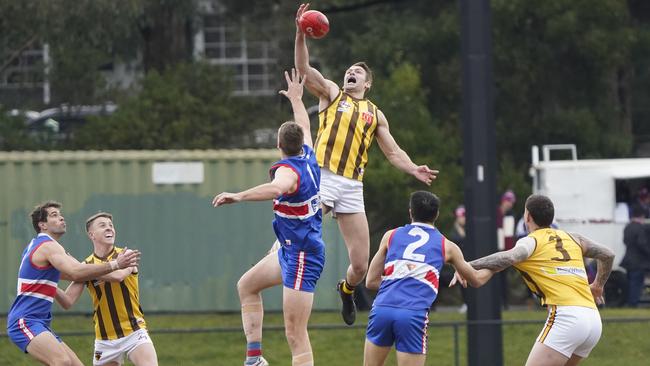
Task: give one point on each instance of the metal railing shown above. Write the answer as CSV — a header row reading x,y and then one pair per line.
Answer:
x,y
455,325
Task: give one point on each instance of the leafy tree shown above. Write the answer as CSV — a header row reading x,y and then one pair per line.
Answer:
x,y
427,141
13,132
190,106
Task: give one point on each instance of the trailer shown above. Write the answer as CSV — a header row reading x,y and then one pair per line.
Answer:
x,y
591,197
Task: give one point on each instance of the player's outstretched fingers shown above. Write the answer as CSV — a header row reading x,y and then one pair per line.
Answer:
x,y
128,258
301,10
215,200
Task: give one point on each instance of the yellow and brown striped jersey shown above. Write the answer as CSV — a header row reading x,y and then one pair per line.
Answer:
x,y
555,271
346,130
117,312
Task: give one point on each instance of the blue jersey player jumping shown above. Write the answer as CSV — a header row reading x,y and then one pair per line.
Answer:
x,y
406,270
299,261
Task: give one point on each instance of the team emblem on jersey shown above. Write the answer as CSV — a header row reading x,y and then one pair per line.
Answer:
x,y
343,106
98,355
287,242
367,117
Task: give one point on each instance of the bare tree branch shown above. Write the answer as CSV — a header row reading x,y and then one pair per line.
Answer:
x,y
18,53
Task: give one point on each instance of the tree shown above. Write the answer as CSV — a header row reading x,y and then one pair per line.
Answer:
x,y
190,106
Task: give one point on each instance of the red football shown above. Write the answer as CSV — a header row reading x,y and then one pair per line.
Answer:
x,y
314,24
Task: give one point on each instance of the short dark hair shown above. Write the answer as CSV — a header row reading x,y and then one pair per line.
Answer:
x,y
637,211
291,138
39,213
424,206
95,217
365,66
540,209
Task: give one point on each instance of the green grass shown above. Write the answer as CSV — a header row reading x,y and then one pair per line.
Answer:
x,y
621,343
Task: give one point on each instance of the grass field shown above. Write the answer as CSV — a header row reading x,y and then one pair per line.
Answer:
x,y
621,344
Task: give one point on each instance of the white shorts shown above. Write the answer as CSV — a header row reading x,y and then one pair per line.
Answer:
x,y
571,330
343,195
113,350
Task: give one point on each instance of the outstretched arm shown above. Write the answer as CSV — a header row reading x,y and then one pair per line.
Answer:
x,y
499,261
604,258
454,256
70,296
316,84
295,83
73,270
397,156
118,276
285,181
376,267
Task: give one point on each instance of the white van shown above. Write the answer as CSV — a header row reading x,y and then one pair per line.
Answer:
x,y
591,197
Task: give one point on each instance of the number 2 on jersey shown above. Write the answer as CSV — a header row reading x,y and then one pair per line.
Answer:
x,y
423,239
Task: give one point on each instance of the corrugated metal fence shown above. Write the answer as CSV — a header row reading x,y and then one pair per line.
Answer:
x,y
193,254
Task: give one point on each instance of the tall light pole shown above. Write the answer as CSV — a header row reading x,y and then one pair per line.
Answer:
x,y
485,344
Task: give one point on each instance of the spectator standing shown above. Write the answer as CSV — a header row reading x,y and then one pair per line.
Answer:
x,y
637,254
506,237
643,201
457,235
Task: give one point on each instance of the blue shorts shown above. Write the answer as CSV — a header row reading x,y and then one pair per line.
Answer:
x,y
300,270
406,328
22,331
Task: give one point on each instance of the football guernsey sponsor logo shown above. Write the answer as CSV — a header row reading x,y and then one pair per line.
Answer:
x,y
343,106
565,271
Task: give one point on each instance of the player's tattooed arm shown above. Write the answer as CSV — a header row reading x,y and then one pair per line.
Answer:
x,y
603,255
499,261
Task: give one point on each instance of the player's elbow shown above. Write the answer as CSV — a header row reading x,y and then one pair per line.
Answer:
x,y
278,190
373,283
475,282
76,277
302,66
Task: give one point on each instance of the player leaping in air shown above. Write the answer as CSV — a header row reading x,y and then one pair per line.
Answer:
x,y
348,124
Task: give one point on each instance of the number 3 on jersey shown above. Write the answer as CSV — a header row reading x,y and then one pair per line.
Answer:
x,y
559,246
423,239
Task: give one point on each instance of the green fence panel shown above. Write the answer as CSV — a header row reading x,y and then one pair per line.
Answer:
x,y
193,254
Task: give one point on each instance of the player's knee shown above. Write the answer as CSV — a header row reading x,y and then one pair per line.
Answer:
x,y
242,286
294,335
359,268
61,360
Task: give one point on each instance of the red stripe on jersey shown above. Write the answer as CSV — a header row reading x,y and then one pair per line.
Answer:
x,y
291,210
32,253
39,288
432,278
389,270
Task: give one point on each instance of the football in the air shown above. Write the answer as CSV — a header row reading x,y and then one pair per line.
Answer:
x,y
314,24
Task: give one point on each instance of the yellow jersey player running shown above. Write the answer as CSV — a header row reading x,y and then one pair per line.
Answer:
x,y
120,328
348,124
551,263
